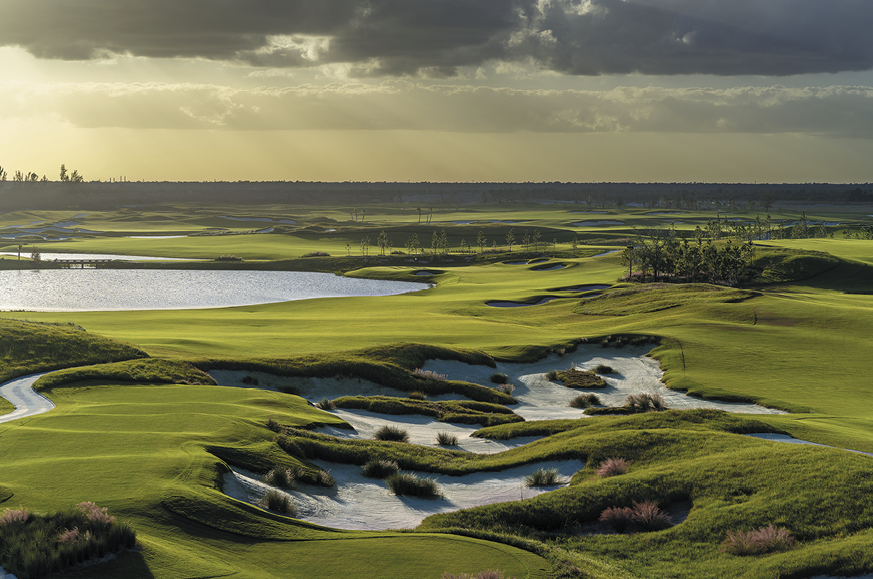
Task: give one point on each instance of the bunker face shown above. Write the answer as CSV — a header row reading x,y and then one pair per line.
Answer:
x,y
357,502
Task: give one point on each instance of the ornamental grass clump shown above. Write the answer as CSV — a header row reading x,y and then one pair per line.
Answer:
x,y
281,477
392,434
279,502
584,401
612,467
645,402
446,439
542,477
35,546
410,485
325,404
603,369
430,374
650,517
499,378
379,468
506,388
769,539
417,395
619,518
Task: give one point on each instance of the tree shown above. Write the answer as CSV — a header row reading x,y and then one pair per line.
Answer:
x,y
536,239
412,243
383,242
464,248
444,241
419,213
510,239
434,242
35,255
20,247
365,245
2,174
354,214
348,249
363,214
19,176
64,176
480,241
628,258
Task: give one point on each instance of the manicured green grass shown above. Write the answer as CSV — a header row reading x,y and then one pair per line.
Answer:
x,y
459,411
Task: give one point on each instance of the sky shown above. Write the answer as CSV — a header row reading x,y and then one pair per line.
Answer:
x,y
439,90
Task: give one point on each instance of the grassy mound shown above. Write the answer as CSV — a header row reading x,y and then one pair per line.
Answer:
x,y
585,379
654,297
790,265
27,347
150,371
459,411
734,482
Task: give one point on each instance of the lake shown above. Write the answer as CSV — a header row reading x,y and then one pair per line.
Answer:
x,y
71,290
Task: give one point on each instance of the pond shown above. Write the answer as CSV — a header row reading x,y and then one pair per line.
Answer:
x,y
69,290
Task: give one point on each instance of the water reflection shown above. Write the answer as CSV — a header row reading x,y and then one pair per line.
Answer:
x,y
64,290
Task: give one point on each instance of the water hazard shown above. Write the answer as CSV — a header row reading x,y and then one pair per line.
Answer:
x,y
69,290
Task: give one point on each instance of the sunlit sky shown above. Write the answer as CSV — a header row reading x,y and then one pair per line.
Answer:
x,y
439,90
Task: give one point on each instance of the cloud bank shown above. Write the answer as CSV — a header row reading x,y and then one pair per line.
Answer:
x,y
440,37
841,111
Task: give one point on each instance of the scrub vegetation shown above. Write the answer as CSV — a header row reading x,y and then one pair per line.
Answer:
x,y
141,428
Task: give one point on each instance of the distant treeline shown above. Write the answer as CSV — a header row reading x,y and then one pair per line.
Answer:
x,y
42,194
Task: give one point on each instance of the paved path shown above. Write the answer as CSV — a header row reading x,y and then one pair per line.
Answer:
x,y
27,402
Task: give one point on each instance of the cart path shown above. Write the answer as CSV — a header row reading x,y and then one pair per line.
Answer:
x,y
26,400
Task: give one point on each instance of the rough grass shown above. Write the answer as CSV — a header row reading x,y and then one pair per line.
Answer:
x,y
458,411
769,539
379,468
584,401
446,439
35,546
149,371
27,347
279,502
542,477
575,378
647,298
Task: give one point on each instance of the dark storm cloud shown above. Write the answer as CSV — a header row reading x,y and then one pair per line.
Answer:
x,y
436,37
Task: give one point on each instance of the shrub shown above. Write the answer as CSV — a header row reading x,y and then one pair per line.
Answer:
x,y
650,517
542,477
446,439
499,378
282,477
487,574
619,518
769,539
552,375
604,369
506,388
612,467
392,433
408,484
325,404
645,402
279,502
379,468
250,380
585,401
418,395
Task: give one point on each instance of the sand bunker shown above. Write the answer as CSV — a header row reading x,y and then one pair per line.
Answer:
x,y
358,502
497,304
541,399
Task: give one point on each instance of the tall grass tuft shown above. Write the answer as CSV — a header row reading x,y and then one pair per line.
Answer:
x,y
282,477
36,546
645,402
650,517
379,468
324,478
430,374
542,477
417,395
506,388
612,467
619,518
585,401
603,369
552,375
392,434
769,539
446,439
499,378
325,404
408,484
487,574
279,502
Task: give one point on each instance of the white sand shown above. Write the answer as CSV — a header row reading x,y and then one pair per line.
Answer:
x,y
358,502
542,400
313,389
